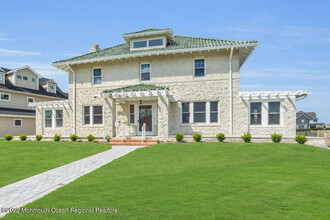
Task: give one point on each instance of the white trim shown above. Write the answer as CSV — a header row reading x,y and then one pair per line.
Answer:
x,y
13,91
27,99
1,76
147,40
4,100
231,91
150,53
17,119
199,58
13,116
144,63
168,32
91,116
266,95
265,114
207,114
50,104
94,68
24,67
54,123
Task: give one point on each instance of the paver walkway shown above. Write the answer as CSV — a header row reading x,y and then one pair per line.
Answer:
x,y
30,189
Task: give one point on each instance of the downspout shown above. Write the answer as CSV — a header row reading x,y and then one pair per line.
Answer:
x,y
74,98
231,91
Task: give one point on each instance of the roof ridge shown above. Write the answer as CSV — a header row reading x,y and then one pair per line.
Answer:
x,y
206,38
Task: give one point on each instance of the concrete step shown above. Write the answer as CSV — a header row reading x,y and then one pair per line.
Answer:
x,y
134,140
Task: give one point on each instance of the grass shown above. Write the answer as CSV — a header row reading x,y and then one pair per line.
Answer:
x,y
202,181
22,159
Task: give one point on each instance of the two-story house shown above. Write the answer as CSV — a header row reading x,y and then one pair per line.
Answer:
x,y
307,120
18,88
160,84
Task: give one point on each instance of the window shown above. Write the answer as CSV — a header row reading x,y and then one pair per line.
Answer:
x,y
48,118
274,113
156,42
148,43
255,113
131,114
25,78
17,122
4,97
145,72
213,112
199,68
51,87
19,77
59,118
97,115
199,111
0,76
185,112
34,80
302,121
30,100
97,77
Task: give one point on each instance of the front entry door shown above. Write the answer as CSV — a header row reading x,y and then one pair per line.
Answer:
x,y
145,117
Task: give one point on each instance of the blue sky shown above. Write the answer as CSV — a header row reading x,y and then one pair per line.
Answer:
x,y
293,51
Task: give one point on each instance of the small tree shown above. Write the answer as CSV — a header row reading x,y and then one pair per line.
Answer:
x,y
74,137
179,137
276,138
246,137
197,137
9,137
221,137
23,137
300,139
57,137
90,138
38,137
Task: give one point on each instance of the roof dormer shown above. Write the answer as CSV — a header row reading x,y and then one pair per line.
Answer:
x,y
149,38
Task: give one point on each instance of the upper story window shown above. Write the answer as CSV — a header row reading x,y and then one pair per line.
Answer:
x,y
255,111
148,43
97,76
145,72
25,78
4,97
199,68
0,76
51,87
19,77
33,79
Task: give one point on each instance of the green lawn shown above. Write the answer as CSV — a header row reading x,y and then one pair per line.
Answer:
x,y
22,159
203,181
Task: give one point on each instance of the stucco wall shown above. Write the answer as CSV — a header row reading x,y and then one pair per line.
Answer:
x,y
7,126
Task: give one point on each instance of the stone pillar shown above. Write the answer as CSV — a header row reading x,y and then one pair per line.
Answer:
x,y
109,120
163,117
39,121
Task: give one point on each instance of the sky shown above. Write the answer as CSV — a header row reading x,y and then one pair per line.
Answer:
x,y
293,51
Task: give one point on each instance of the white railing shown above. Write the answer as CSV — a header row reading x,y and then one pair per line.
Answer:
x,y
123,132
143,131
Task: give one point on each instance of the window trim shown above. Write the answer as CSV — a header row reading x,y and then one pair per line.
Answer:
x,y
54,123
141,71
199,58
91,116
96,67
61,118
17,119
189,112
207,113
279,113
4,100
264,113
214,112
261,113
27,99
147,39
0,76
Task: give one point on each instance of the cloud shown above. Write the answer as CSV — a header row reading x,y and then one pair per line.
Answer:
x,y
44,69
7,52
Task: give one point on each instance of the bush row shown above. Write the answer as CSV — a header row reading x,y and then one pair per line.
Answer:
x,y
57,137
246,137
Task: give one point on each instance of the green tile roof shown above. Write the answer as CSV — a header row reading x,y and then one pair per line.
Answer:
x,y
180,42
137,87
148,30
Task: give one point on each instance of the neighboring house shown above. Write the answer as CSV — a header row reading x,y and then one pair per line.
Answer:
x,y
307,120
327,125
19,87
166,84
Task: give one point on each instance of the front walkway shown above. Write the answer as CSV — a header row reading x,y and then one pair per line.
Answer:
x,y
28,190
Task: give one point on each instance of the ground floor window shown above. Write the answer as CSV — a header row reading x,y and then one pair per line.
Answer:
x,y
93,115
18,123
53,118
265,113
200,112
131,114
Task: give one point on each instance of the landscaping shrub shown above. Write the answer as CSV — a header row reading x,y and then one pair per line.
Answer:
x,y
179,137
9,137
23,137
221,137
276,138
38,137
74,137
57,137
246,137
197,137
90,138
300,139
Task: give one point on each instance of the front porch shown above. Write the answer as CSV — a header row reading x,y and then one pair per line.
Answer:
x,y
140,111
